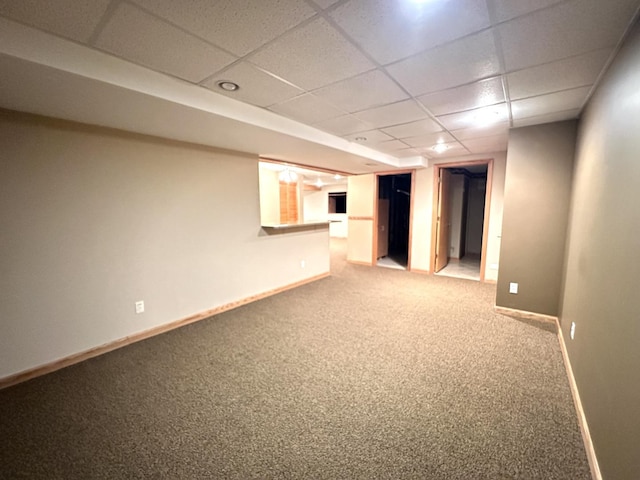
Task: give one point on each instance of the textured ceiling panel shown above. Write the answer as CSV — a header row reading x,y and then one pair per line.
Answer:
x,y
463,61
478,118
238,26
550,117
68,18
497,143
565,30
343,125
307,108
365,91
393,114
545,104
313,56
429,139
501,128
256,86
560,75
144,39
392,30
508,9
467,97
413,129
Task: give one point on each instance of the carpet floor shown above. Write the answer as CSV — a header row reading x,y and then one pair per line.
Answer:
x,y
372,373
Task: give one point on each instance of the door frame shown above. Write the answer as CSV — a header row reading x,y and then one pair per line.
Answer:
x,y
487,209
374,252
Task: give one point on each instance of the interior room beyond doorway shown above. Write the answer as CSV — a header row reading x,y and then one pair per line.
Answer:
x,y
461,202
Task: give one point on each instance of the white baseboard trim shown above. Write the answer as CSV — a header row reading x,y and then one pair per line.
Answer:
x,y
582,419
123,342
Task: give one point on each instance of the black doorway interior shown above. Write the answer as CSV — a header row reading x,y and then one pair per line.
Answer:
x,y
394,197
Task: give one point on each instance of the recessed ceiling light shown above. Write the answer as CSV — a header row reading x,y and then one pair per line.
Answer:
x,y
440,147
361,139
337,177
228,86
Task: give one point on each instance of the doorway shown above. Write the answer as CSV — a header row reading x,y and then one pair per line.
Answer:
x,y
462,194
393,225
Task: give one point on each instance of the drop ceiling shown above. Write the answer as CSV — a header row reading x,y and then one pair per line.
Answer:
x,y
351,85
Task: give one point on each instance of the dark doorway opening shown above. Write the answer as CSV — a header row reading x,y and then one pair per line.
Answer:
x,y
394,219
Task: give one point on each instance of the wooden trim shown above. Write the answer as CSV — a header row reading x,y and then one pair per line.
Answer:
x,y
411,217
434,217
354,217
359,262
491,281
128,340
374,230
582,419
525,315
420,271
485,223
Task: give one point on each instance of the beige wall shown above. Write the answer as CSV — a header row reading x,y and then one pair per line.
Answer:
x,y
534,224
269,186
360,204
316,209
94,220
602,275
423,210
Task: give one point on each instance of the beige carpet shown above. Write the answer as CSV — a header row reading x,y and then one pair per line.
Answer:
x,y
371,373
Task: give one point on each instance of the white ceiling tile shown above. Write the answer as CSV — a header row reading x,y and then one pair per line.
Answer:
x,y
391,30
407,152
394,114
478,118
392,146
429,139
142,38
239,26
312,56
565,30
453,149
564,74
457,63
367,90
496,143
67,18
550,103
508,9
343,125
306,108
548,118
501,128
256,86
413,129
324,3
467,97
372,137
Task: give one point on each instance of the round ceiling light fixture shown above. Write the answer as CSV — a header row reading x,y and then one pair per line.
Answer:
x,y
228,86
361,139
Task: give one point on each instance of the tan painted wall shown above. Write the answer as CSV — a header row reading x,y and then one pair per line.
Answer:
x,y
536,206
602,275
94,220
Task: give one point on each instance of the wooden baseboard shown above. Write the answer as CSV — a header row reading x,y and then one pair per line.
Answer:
x,y
357,262
123,342
525,315
420,271
582,419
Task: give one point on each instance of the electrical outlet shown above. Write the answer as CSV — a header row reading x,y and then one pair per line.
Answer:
x,y
303,264
513,288
493,266
573,330
140,307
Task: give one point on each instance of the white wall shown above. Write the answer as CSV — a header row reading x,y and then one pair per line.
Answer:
x,y
269,186
94,220
316,208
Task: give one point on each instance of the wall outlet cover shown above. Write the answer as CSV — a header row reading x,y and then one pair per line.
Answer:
x,y
513,288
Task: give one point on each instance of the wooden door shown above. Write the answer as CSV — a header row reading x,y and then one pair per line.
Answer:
x,y
442,225
383,227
